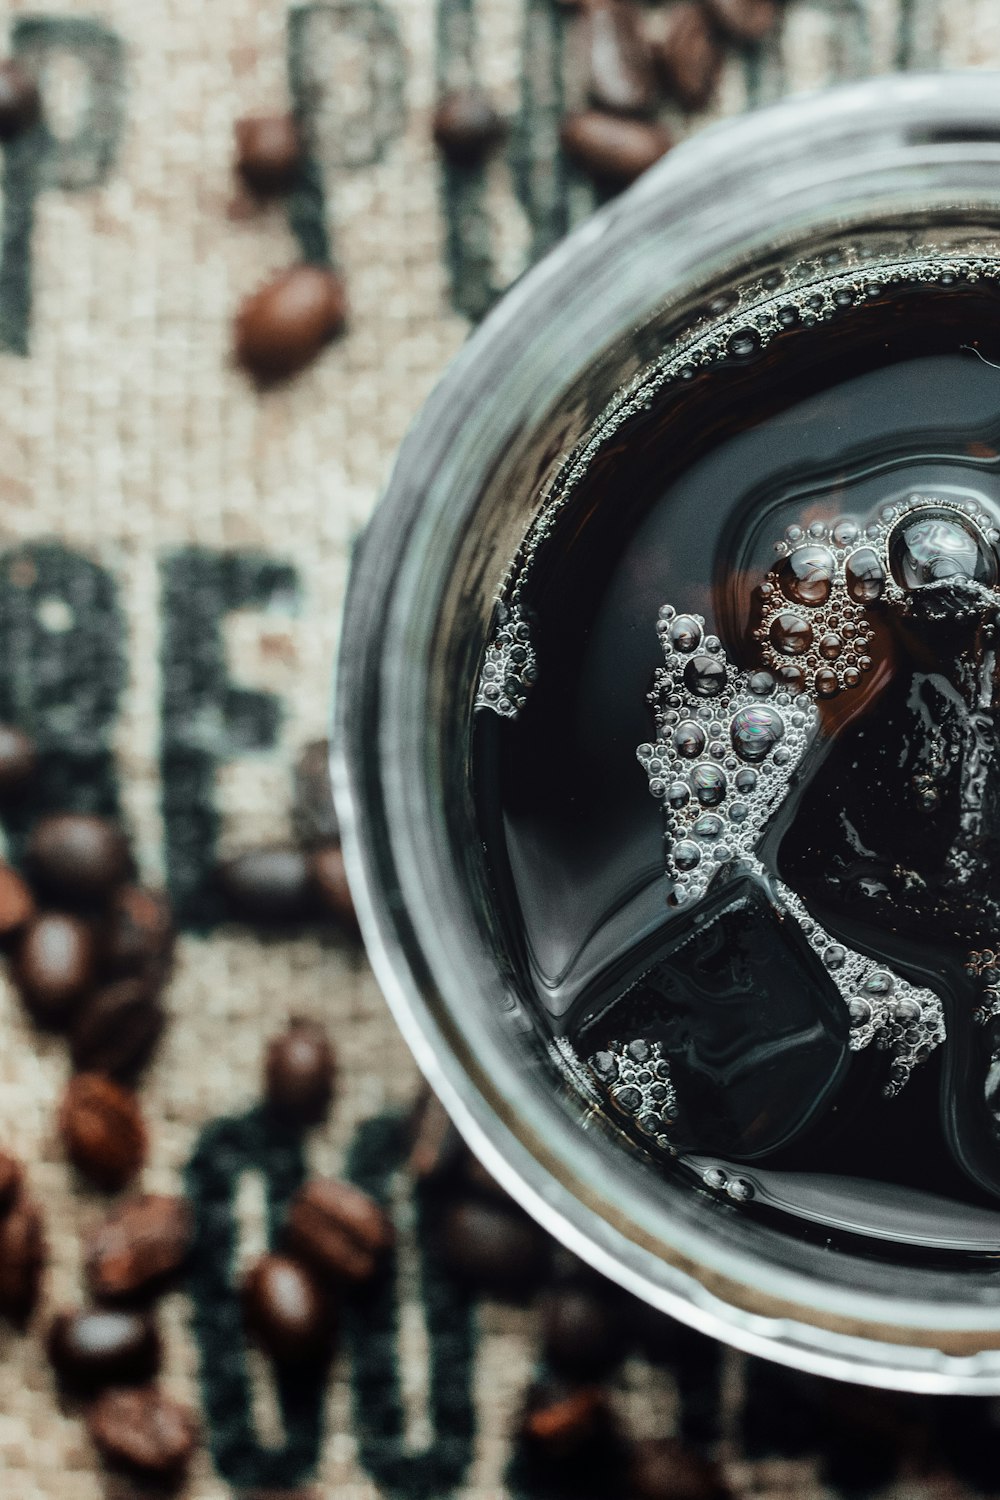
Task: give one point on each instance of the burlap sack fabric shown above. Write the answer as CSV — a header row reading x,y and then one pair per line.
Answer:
x,y
175,546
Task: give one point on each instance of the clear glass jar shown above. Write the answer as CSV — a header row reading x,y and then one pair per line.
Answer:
x,y
906,164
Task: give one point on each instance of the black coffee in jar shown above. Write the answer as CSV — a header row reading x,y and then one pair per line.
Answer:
x,y
766,590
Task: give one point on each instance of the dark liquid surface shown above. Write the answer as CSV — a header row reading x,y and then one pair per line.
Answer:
x,y
684,506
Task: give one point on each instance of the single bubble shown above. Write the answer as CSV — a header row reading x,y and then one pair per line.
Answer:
x,y
859,1011
793,677
689,739
686,855
879,983
806,575
761,684
678,794
864,575
709,785
746,781
844,533
685,633
790,634
851,677
705,676
739,812
830,646
907,1010
707,827
834,956
744,342
658,788
934,544
826,683
754,732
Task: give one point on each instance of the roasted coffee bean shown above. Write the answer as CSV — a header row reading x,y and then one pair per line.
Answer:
x,y
53,966
284,325
744,20
314,817
663,1469
138,1248
102,1130
101,1346
467,126
287,1310
338,1229
299,1073
116,1030
582,1332
268,885
137,934
618,61
18,753
11,1180
566,1424
329,878
689,55
78,857
612,149
19,100
22,1259
268,152
17,904
493,1248
144,1432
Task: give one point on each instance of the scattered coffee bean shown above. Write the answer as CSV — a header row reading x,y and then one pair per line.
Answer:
x,y
103,1346
268,152
103,1130
139,1247
612,149
314,817
22,1259
116,1030
338,1229
494,1248
143,1431
18,753
688,55
11,1180
17,904
287,1310
329,878
299,1073
19,100
53,966
137,934
565,1423
582,1332
78,857
618,60
744,20
663,1469
283,327
467,126
270,885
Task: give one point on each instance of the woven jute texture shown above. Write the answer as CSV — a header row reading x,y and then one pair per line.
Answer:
x,y
174,552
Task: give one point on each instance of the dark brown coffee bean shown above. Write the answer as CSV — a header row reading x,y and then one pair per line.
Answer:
x,y
137,934
116,1030
144,1432
19,100
53,966
268,152
77,857
287,1310
663,1469
494,1248
22,1259
338,1229
564,1423
299,1073
329,878
688,55
612,149
467,126
18,753
17,904
744,20
618,60
314,817
11,1180
268,885
283,327
582,1332
103,1346
138,1248
102,1130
